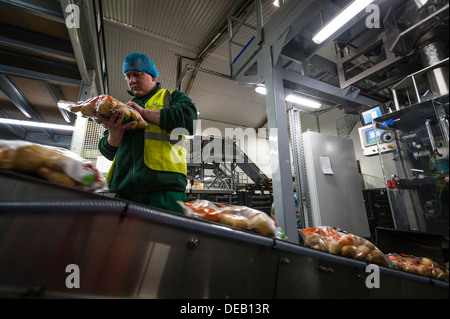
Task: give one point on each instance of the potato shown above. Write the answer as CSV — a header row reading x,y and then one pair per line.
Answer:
x,y
438,273
260,225
105,106
247,212
321,245
141,123
7,158
359,241
134,114
234,220
335,247
312,239
427,262
75,108
362,252
56,177
408,268
377,257
348,251
31,157
346,240
369,245
124,109
132,127
88,110
424,271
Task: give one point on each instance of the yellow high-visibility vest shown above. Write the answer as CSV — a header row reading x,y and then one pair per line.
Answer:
x,y
162,152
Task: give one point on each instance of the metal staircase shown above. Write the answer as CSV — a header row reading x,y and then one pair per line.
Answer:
x,y
221,165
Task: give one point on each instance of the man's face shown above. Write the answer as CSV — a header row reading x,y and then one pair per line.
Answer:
x,y
140,83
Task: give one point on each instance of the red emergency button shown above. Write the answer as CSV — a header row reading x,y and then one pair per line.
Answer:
x,y
391,183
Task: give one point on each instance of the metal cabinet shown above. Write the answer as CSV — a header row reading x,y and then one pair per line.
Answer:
x,y
334,184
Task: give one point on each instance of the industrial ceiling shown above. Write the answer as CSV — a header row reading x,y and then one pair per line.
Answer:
x,y
42,60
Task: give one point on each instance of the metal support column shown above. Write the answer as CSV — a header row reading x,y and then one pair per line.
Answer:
x,y
301,179
283,191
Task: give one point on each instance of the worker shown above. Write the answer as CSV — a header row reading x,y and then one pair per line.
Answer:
x,y
149,165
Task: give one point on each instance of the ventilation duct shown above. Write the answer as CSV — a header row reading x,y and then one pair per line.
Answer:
x,y
409,21
432,54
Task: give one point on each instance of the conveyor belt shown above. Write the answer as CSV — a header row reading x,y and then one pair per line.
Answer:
x,y
18,186
128,250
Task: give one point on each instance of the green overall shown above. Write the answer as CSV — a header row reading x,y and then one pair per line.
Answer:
x,y
149,166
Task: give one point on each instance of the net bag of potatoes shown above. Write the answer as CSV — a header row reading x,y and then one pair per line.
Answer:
x,y
107,105
240,217
54,164
339,242
419,265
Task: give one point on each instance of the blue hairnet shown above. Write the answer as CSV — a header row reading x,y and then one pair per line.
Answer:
x,y
139,62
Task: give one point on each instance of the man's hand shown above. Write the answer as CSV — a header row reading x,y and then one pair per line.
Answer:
x,y
148,115
116,129
137,107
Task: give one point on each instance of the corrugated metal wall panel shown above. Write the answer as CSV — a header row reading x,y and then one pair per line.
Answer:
x,y
121,42
192,22
223,100
164,29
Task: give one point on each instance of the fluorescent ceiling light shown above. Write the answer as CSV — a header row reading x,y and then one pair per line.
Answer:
x,y
37,124
293,98
260,90
342,18
302,101
420,3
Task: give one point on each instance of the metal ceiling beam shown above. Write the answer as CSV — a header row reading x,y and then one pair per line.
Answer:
x,y
19,64
342,62
316,61
326,91
17,98
36,43
47,9
22,103
57,95
294,16
10,133
284,25
60,141
357,24
16,130
85,44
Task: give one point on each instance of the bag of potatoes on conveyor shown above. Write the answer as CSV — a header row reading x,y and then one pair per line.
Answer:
x,y
419,265
106,105
339,242
54,164
241,217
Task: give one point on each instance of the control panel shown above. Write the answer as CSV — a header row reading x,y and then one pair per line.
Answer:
x,y
369,138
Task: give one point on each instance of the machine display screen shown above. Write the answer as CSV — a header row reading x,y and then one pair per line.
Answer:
x,y
369,115
373,141
373,136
